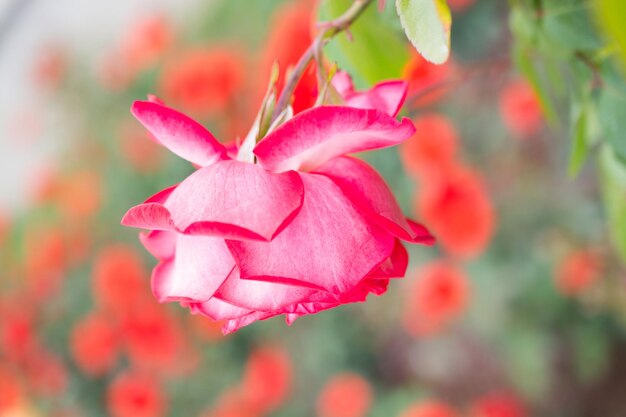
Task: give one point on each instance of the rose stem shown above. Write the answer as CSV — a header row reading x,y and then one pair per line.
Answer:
x,y
328,31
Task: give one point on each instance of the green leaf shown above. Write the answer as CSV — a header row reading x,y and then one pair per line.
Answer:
x,y
427,25
611,15
612,113
578,153
375,51
568,24
613,178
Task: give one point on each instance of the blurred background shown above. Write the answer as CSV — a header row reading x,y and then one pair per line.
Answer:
x,y
519,310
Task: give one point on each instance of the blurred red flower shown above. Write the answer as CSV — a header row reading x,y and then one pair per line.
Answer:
x,y
498,404
135,395
289,38
429,409
520,109
119,281
267,379
432,148
17,334
438,295
578,271
153,339
427,81
457,207
203,80
94,344
345,395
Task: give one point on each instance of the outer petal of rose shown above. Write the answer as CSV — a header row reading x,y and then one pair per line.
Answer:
x,y
260,295
199,268
394,266
328,245
151,214
319,134
161,244
387,96
368,191
235,324
236,200
422,235
179,133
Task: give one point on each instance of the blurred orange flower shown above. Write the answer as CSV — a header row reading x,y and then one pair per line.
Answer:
x,y
520,109
432,148
429,409
578,271
94,344
267,379
202,81
437,296
345,395
457,208
146,43
10,391
135,395
50,67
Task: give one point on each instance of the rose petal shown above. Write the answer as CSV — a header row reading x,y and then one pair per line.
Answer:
x,y
217,309
319,134
328,245
260,295
179,133
236,200
386,96
368,191
422,235
152,216
160,244
394,266
199,268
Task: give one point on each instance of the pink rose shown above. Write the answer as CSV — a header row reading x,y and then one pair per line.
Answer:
x,y
304,229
